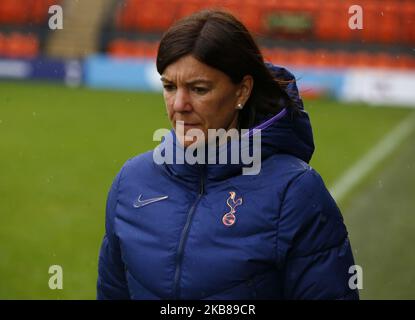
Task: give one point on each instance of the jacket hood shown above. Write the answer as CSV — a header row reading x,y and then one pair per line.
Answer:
x,y
288,133
292,134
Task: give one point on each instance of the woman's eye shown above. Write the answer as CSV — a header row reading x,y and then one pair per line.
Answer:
x,y
168,87
200,90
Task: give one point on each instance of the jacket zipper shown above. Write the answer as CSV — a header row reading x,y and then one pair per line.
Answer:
x,y
183,239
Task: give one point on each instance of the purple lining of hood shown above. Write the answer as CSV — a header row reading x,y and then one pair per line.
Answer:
x,y
267,123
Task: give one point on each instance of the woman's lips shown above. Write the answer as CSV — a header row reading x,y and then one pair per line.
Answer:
x,y
187,125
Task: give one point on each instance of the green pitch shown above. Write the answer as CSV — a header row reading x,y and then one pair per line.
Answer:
x,y
61,147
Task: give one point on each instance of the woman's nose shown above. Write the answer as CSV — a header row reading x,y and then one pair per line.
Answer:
x,y
182,101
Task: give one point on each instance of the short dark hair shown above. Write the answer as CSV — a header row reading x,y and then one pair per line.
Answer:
x,y
216,38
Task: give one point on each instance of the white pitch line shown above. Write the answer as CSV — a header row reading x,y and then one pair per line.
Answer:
x,y
379,152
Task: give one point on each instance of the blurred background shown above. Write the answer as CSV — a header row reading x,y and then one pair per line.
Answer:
x,y
76,102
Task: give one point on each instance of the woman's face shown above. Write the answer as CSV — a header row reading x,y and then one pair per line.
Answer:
x,y
202,97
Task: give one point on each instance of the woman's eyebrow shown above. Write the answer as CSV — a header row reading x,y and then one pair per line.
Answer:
x,y
191,82
164,79
199,80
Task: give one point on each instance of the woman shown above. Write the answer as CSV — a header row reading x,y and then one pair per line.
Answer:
x,y
206,230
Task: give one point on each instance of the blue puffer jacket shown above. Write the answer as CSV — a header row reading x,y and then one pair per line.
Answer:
x,y
288,240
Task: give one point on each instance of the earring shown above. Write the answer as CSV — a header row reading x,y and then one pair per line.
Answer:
x,y
239,106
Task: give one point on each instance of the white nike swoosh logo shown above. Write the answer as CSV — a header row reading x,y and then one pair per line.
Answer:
x,y
141,203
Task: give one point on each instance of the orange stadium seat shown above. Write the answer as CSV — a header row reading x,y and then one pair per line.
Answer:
x,y
371,16
320,57
342,27
362,59
39,11
127,48
156,15
115,47
11,12
326,22
383,60
146,49
2,44
126,15
331,60
341,59
20,12
281,56
389,23
301,58
17,45
404,62
407,27
188,7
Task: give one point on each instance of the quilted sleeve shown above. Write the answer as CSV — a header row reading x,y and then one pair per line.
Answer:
x,y
111,283
313,248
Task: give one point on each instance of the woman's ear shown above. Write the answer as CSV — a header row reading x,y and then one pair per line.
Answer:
x,y
245,89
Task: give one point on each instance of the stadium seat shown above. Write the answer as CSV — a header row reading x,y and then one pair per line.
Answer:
x,y
126,15
382,60
39,12
2,44
389,22
156,15
301,58
21,12
407,26
16,45
11,12
188,7
326,22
